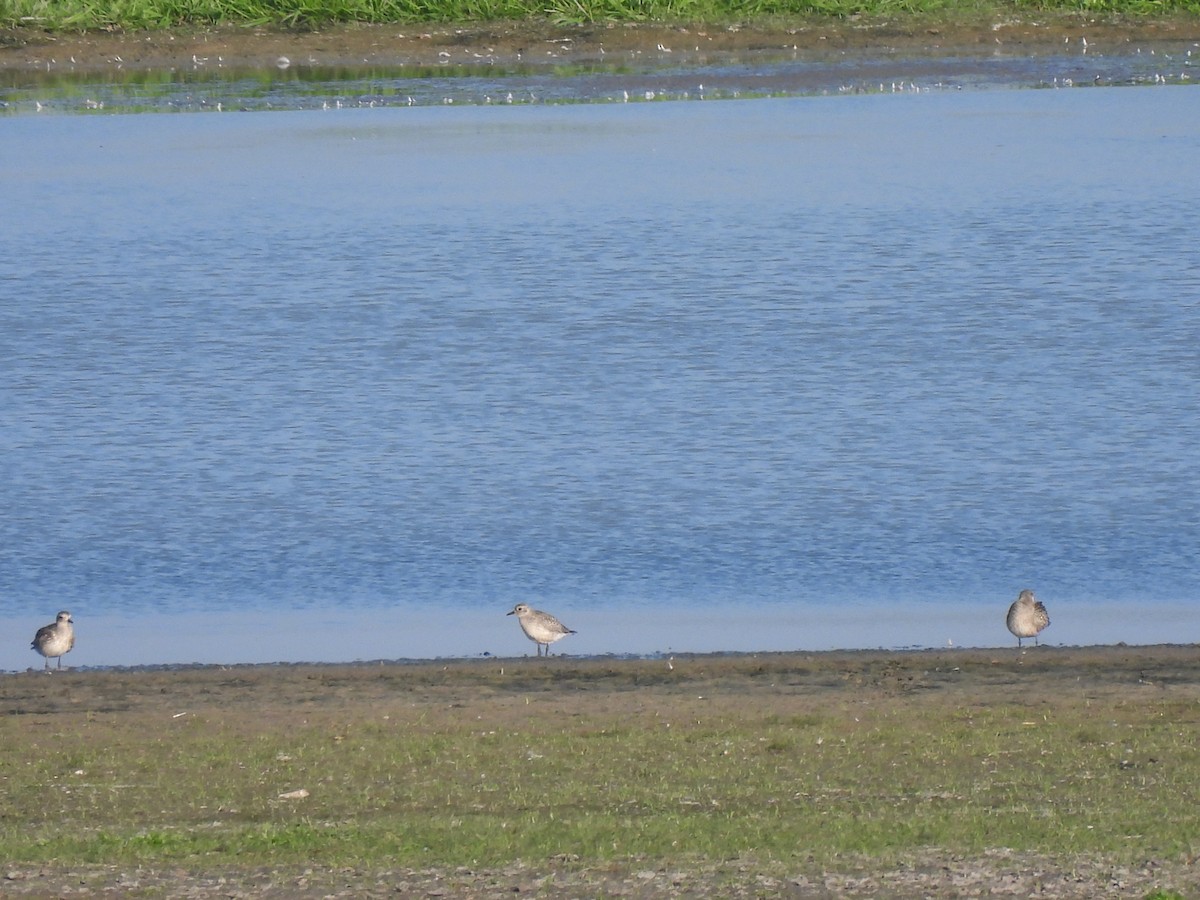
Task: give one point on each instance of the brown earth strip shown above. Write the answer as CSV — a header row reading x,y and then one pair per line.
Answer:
x,y
975,676
531,44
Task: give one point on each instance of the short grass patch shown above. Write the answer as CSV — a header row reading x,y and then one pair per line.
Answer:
x,y
658,771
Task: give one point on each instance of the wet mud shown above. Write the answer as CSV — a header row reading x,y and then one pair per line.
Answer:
x,y
1044,674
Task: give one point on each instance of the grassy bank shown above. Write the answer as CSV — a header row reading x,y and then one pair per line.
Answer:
x,y
156,14
423,789
796,762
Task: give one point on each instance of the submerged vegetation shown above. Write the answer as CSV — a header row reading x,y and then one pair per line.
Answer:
x,y
157,14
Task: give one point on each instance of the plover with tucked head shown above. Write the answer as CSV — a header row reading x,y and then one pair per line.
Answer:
x,y
540,627
1027,617
55,639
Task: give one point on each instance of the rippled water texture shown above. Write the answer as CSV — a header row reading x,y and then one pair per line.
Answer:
x,y
758,375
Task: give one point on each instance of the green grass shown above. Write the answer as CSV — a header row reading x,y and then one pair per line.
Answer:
x,y
157,14
424,787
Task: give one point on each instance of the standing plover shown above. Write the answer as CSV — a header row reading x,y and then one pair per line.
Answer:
x,y
540,627
55,639
1027,617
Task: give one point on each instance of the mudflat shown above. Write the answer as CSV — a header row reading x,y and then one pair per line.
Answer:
x,y
533,44
1037,687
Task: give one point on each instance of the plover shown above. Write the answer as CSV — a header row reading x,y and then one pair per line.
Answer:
x,y
540,627
1027,617
55,639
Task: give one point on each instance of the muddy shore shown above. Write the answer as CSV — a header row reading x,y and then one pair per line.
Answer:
x,y
537,44
497,691
983,676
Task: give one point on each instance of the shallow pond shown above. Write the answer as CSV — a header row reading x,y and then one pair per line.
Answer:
x,y
780,373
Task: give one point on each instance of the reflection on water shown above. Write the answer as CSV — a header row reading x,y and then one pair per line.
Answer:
x,y
351,386
209,86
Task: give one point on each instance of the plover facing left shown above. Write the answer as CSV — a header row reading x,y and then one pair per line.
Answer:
x,y
1027,617
56,639
540,627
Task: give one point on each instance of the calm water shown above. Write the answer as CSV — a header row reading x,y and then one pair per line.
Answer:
x,y
769,374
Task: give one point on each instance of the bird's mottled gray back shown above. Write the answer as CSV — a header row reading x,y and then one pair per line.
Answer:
x,y
1027,617
55,639
540,627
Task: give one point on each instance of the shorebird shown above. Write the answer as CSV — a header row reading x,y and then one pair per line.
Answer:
x,y
1027,617
540,627
55,639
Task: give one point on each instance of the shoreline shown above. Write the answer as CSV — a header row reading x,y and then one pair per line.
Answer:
x,y
539,45
287,634
971,670
1157,652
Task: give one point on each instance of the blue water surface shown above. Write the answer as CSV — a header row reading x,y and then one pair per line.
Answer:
x,y
697,375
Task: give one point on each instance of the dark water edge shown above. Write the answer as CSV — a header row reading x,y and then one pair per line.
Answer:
x,y
939,655
212,87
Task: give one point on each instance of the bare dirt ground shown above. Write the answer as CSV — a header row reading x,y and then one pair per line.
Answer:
x,y
754,684
532,44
